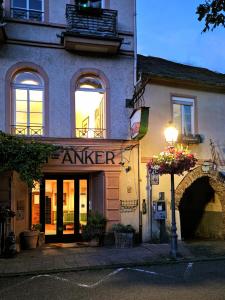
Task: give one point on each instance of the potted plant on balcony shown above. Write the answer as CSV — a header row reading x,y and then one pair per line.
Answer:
x,y
124,235
94,231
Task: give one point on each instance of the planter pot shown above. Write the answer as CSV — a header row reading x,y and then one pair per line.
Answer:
x,y
29,239
41,239
124,239
94,242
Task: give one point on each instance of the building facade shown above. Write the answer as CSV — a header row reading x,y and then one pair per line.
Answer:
x,y
66,71
194,100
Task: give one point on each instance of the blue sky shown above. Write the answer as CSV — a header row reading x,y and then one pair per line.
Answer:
x,y
170,29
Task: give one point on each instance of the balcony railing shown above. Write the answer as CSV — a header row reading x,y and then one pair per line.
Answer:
x,y
95,133
91,21
34,15
27,130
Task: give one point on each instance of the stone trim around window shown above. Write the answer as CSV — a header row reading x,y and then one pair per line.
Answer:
x,y
195,106
105,81
13,70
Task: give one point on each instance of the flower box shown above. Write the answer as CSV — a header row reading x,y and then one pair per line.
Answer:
x,y
123,239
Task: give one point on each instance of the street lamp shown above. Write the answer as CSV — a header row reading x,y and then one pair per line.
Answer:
x,y
171,135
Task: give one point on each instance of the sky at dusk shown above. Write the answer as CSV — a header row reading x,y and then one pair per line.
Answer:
x,y
170,29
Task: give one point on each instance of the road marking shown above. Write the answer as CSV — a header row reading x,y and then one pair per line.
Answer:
x,y
88,285
101,280
188,271
149,272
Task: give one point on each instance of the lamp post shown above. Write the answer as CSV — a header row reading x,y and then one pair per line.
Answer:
x,y
171,135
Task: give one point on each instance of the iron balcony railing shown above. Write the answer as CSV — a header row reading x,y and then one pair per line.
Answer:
x,y
34,15
91,21
94,133
27,130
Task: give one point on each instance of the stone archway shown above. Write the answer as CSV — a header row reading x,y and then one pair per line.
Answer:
x,y
215,182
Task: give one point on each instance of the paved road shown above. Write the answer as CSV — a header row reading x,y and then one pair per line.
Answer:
x,y
205,280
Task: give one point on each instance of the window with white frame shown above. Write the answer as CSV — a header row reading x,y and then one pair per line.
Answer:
x,y
183,114
28,100
90,108
91,3
28,9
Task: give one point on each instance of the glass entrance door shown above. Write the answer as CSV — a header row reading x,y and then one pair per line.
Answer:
x,y
64,207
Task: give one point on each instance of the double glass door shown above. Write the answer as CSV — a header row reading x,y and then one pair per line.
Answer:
x,y
63,207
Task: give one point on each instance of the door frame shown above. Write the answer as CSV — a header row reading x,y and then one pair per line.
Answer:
x,y
60,237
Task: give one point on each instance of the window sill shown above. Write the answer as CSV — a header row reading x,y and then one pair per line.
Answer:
x,y
190,139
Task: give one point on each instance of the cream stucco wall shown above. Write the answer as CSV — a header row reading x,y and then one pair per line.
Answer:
x,y
210,119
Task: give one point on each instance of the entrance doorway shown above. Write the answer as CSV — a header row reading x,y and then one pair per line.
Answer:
x,y
63,207
200,211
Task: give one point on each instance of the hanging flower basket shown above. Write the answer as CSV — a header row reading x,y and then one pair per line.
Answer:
x,y
172,161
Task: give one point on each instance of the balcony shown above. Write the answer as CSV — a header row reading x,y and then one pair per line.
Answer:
x,y
91,30
27,130
2,26
94,133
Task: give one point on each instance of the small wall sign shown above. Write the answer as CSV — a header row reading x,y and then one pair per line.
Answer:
x,y
139,123
154,176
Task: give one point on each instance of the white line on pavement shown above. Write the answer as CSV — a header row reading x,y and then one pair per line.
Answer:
x,y
87,285
101,280
188,270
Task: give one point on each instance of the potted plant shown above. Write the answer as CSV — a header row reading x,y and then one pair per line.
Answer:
x,y
94,231
172,161
124,235
41,235
29,238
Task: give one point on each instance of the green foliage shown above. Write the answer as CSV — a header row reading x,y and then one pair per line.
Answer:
x,y
6,213
24,156
95,227
123,228
213,14
36,227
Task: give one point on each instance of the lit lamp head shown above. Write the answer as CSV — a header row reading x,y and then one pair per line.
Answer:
x,y
171,134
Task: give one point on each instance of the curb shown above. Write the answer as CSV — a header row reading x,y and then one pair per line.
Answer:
x,y
163,261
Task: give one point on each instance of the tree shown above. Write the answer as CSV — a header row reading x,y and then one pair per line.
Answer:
x,y
213,14
24,156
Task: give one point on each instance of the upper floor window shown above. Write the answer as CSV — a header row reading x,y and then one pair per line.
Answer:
x,y
27,97
28,9
183,114
90,108
90,3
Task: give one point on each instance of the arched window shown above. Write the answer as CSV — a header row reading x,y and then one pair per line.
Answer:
x,y
90,107
28,100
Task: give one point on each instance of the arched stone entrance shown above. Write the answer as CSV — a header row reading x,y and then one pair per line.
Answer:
x,y
210,181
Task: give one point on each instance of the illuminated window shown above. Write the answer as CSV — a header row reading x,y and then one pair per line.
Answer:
x,y
90,108
27,96
90,3
28,9
183,115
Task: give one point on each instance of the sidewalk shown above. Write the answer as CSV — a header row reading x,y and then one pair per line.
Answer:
x,y
73,257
